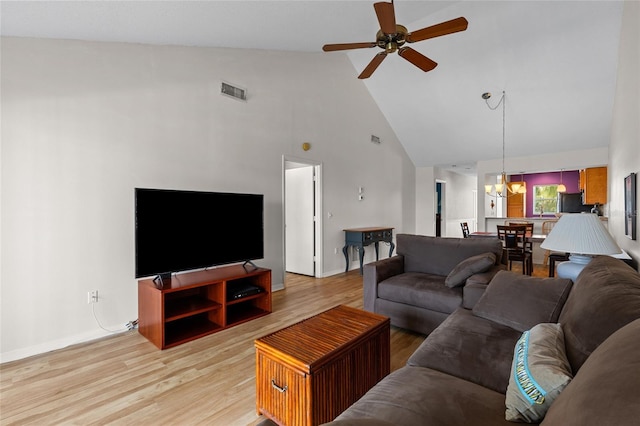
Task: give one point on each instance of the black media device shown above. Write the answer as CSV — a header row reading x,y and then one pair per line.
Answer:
x,y
239,291
184,230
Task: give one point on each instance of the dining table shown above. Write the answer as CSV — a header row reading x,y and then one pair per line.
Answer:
x,y
536,238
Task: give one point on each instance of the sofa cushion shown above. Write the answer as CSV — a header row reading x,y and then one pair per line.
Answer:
x,y
605,297
438,256
422,290
471,293
605,391
421,396
471,348
484,278
469,266
521,301
539,372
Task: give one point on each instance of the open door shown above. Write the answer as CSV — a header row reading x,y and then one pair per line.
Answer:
x,y
300,220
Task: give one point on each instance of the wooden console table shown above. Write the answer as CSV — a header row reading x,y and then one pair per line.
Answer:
x,y
360,237
309,372
195,304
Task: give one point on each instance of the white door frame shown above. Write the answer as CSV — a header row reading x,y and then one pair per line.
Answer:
x,y
319,237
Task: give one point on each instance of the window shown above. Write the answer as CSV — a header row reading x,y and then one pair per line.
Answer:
x,y
545,199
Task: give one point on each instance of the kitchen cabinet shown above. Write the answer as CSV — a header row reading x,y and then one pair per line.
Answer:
x,y
593,185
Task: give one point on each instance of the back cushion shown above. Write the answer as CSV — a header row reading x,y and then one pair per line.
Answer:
x,y
520,301
438,256
604,298
605,392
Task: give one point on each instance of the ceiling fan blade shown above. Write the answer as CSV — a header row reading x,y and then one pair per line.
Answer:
x,y
377,60
386,17
417,59
443,28
345,46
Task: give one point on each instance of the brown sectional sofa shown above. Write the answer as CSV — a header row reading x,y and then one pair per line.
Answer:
x,y
480,359
410,287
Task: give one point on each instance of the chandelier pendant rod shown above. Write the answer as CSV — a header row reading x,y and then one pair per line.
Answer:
x,y
502,188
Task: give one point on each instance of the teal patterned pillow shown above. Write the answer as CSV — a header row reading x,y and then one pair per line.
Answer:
x,y
539,372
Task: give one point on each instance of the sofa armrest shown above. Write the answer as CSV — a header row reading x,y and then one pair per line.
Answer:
x,y
485,277
476,284
377,272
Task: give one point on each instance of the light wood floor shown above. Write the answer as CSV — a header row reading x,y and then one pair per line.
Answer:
x,y
124,379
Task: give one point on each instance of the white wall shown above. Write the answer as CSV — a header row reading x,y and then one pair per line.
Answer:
x,y
459,201
624,151
425,201
460,206
84,123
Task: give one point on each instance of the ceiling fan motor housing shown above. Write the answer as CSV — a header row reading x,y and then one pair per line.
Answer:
x,y
391,37
391,42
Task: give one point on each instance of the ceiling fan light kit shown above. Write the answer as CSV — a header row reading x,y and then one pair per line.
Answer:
x,y
392,36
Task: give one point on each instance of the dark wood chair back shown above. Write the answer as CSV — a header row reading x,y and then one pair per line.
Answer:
x,y
514,243
465,229
529,226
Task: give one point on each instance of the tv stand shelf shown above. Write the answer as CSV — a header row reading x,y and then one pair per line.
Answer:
x,y
194,304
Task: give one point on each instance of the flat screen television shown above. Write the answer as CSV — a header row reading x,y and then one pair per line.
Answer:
x,y
178,231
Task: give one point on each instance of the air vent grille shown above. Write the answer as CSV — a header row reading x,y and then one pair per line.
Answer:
x,y
233,91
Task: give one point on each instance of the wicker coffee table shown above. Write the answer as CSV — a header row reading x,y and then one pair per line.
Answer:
x,y
309,372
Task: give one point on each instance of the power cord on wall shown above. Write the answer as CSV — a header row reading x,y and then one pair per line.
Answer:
x,y
127,327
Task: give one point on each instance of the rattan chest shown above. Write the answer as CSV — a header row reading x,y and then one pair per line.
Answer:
x,y
309,372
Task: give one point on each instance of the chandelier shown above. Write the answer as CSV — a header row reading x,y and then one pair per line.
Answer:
x,y
502,189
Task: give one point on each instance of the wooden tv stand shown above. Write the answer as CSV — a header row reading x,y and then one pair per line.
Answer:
x,y
194,304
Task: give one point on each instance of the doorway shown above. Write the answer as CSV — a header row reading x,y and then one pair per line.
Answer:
x,y
302,187
439,203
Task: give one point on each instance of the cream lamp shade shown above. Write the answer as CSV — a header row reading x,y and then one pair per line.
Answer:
x,y
583,236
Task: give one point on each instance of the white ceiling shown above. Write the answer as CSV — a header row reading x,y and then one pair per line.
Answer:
x,y
556,60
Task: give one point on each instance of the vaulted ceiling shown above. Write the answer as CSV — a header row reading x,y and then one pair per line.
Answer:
x,y
556,60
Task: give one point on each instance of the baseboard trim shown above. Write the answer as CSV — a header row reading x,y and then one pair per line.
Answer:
x,y
55,345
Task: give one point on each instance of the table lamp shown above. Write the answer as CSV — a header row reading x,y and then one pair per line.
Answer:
x,y
583,236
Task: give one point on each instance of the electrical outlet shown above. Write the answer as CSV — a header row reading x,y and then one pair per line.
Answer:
x,y
335,250
92,296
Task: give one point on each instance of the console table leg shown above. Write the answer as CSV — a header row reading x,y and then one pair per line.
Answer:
x,y
376,245
361,250
345,250
391,247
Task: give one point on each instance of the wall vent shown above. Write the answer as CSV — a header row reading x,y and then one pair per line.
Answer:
x,y
375,139
233,91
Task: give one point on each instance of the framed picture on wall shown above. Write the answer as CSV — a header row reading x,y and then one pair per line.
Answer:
x,y
630,206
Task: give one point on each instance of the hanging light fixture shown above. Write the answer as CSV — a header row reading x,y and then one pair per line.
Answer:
x,y
522,189
561,187
502,189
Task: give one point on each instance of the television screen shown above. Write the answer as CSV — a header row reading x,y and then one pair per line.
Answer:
x,y
184,230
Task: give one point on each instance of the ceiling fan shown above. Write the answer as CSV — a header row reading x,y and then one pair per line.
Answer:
x,y
391,37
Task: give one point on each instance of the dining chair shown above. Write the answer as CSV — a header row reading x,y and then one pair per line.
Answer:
x,y
529,226
514,246
465,229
